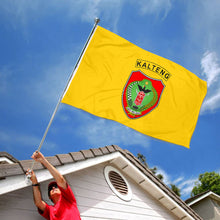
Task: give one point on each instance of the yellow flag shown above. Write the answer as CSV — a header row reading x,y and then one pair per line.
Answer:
x,y
118,80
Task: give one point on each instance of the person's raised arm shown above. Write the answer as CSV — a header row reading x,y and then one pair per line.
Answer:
x,y
36,191
39,157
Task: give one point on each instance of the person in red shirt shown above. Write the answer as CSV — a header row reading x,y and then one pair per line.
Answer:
x,y
60,193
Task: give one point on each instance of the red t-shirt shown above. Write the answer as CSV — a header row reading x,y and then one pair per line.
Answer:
x,y
65,209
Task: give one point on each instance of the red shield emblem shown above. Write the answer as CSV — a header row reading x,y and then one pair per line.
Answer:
x,y
141,94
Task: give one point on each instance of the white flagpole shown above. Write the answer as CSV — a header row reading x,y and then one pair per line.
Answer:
x,y
70,79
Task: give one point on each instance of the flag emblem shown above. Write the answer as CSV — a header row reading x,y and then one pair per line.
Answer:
x,y
141,94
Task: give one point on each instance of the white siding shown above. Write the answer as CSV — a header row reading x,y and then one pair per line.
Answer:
x,y
206,209
18,205
94,197
97,201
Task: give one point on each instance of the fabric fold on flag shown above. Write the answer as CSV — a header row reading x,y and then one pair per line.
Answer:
x,y
120,81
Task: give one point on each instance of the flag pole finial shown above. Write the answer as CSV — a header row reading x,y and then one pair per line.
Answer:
x,y
97,20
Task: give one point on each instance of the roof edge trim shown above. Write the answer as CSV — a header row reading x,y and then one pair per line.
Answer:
x,y
13,183
148,180
210,193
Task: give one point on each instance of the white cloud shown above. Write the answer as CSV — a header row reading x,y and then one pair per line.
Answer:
x,y
24,12
101,132
210,67
186,186
211,70
105,9
54,80
178,180
11,138
155,7
203,29
203,33
211,103
166,176
16,10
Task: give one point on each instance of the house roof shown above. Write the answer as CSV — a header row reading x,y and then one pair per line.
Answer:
x,y
6,158
201,196
123,159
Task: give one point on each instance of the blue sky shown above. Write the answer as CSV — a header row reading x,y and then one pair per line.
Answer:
x,y
40,43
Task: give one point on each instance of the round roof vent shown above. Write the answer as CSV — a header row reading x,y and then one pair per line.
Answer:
x,y
117,183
